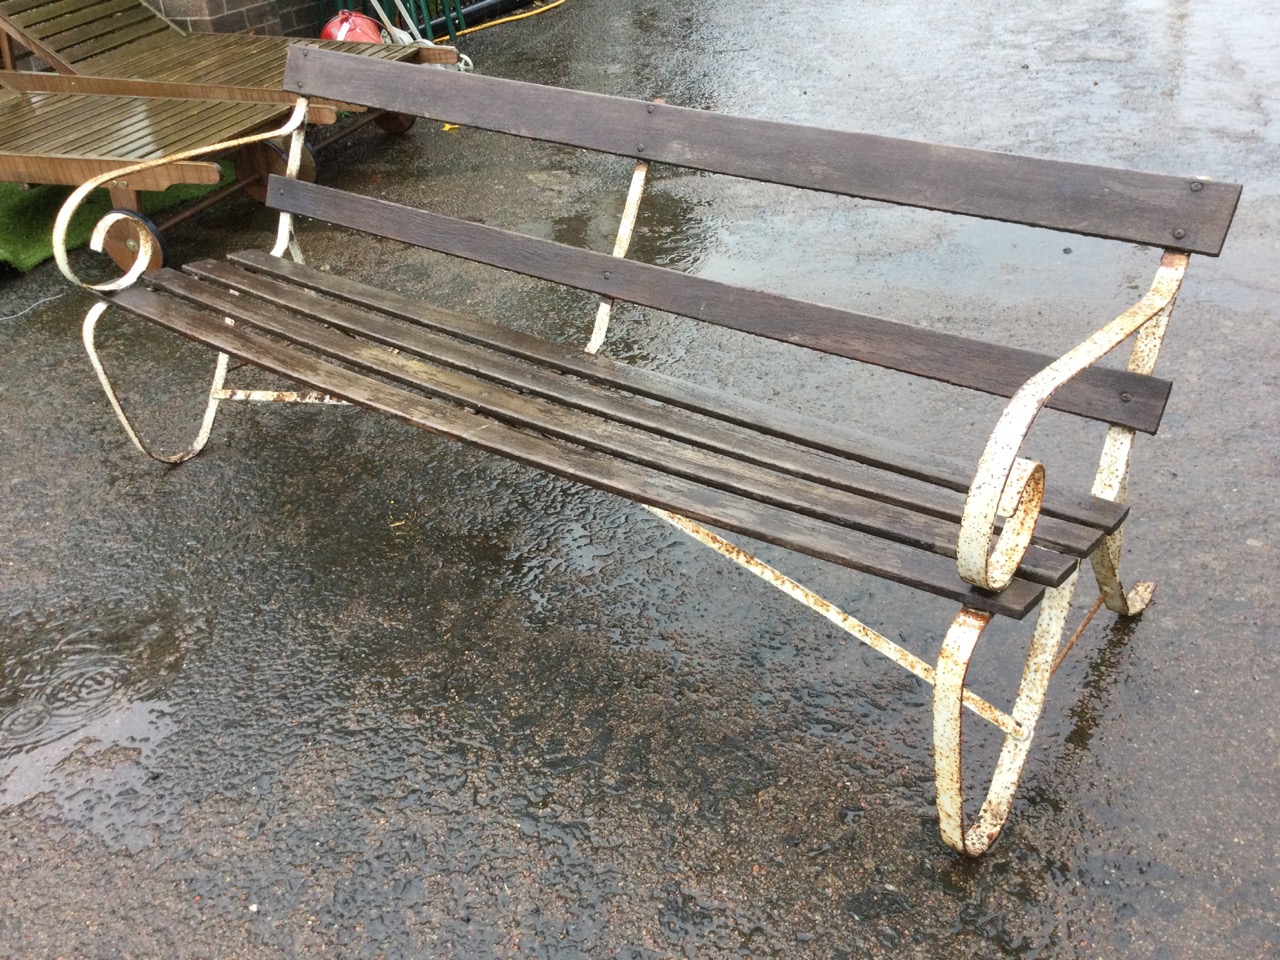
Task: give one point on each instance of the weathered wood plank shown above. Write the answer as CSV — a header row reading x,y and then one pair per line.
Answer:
x,y
639,443
673,420
893,561
914,464
606,408
1097,201
1100,393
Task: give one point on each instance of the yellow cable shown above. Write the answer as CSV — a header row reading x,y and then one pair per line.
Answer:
x,y
518,16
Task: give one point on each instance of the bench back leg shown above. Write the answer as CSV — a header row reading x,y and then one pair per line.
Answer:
x,y
1112,481
625,227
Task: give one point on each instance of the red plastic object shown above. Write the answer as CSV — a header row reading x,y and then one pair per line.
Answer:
x,y
356,27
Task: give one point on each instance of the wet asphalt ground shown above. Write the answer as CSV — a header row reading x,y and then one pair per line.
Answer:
x,y
338,688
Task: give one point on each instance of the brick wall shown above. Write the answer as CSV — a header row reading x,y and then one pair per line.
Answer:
x,y
295,17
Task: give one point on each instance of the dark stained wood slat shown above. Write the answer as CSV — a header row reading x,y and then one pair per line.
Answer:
x,y
592,400
674,422
889,560
1108,395
842,442
1077,198
590,429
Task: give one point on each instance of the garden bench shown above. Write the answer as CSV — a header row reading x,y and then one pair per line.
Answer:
x,y
988,535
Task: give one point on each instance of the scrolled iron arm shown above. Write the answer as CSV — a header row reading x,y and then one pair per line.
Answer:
x,y
72,203
1008,486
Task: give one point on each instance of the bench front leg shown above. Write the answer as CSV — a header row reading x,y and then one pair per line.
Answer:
x,y
948,696
210,412
295,125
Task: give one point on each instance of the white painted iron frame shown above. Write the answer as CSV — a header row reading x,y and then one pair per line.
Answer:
x,y
1003,504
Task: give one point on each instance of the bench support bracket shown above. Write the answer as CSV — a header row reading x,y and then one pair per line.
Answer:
x,y
950,697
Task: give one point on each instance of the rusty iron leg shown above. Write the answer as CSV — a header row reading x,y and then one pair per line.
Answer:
x,y
948,693
1112,481
211,410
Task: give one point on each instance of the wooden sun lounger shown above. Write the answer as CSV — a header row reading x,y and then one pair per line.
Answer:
x,y
127,39
146,77
70,138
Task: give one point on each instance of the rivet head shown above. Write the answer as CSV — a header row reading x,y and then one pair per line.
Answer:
x,y
1126,397
639,148
1179,233
608,275
1196,186
650,108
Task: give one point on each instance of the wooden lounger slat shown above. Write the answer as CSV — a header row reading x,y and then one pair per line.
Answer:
x,y
1112,396
48,19
85,26
139,129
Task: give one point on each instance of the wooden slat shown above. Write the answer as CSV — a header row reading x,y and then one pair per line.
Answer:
x,y
146,34
638,443
130,129
111,86
49,56
230,59
1077,198
85,26
1100,393
843,442
721,439
73,170
817,538
50,19
513,367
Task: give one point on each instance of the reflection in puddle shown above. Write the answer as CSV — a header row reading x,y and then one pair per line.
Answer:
x,y
68,690
52,687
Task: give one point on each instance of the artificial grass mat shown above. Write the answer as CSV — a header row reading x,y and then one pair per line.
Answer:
x,y
26,216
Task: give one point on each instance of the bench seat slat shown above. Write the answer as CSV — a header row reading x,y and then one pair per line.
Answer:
x,y
627,426
676,423
591,428
1112,396
894,561
850,446
1096,201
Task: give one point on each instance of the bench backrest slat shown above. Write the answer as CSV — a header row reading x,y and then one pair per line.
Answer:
x,y
1112,396
1174,212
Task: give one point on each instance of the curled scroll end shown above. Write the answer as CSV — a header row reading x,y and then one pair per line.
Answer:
x,y
1020,503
